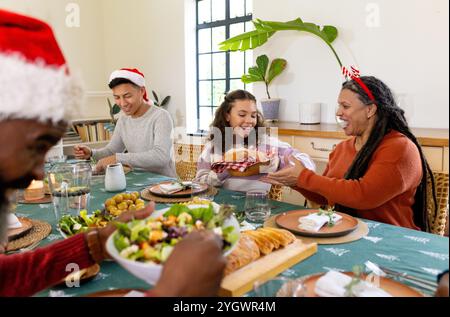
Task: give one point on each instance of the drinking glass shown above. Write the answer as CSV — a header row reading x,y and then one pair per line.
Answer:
x,y
70,188
280,287
257,209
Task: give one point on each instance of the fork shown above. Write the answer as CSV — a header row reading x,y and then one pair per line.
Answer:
x,y
408,277
383,271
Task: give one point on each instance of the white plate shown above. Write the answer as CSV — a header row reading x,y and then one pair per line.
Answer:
x,y
150,272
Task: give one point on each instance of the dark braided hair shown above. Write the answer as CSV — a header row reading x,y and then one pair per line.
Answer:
x,y
220,122
389,117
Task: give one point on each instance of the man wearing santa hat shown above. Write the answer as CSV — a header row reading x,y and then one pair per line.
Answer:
x,y
38,96
143,130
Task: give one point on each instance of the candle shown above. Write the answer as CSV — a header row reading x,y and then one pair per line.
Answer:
x,y
35,191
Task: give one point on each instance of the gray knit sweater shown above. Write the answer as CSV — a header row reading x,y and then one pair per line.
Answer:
x,y
147,140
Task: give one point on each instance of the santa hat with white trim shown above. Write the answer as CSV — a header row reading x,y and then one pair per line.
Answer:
x,y
133,75
34,79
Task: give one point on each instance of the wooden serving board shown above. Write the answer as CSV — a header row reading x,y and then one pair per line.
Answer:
x,y
268,266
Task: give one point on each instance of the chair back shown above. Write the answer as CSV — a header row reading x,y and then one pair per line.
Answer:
x,y
438,218
186,157
276,192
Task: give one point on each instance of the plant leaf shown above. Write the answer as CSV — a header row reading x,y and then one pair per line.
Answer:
x,y
276,68
248,79
165,101
265,29
263,62
155,96
115,109
257,72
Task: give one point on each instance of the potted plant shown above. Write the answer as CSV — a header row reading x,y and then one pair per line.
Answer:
x,y
263,73
310,113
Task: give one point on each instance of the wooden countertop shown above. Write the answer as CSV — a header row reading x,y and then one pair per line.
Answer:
x,y
426,137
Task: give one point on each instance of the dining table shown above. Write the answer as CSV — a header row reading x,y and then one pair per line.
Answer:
x,y
416,253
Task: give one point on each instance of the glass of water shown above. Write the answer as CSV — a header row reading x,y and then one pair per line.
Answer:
x,y
257,208
280,287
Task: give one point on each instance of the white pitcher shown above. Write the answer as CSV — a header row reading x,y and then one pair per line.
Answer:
x,y
115,178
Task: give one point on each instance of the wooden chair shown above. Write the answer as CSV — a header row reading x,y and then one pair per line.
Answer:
x,y
186,157
276,192
438,220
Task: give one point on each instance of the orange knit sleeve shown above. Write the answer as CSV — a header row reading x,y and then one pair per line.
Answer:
x,y
394,169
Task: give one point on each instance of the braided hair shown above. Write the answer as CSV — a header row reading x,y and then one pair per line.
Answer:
x,y
220,122
389,117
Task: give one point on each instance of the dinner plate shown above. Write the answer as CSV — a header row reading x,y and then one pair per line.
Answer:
x,y
114,293
198,189
394,288
289,220
85,275
16,233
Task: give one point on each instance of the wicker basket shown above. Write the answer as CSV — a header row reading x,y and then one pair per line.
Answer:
x,y
438,220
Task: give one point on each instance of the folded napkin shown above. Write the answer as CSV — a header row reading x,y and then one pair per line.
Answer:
x,y
135,294
314,222
171,188
12,221
333,284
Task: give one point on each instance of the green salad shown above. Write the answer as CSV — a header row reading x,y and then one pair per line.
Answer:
x,y
71,225
153,239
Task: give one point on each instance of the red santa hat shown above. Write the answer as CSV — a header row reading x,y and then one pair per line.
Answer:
x,y
34,79
133,75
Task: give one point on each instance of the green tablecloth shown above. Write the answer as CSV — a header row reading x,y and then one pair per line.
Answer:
x,y
421,254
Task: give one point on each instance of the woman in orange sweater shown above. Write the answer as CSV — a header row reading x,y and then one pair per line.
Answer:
x,y
380,173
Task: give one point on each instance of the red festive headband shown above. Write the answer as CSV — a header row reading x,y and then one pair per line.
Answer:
x,y
354,75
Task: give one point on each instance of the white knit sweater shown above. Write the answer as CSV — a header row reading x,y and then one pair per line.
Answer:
x,y
147,140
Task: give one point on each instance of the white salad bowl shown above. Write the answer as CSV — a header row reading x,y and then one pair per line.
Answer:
x,y
150,272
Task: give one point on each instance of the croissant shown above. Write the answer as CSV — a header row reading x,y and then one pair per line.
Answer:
x,y
285,237
253,243
245,252
264,244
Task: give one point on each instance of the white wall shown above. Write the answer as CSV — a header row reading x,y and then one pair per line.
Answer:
x,y
148,35
82,46
409,51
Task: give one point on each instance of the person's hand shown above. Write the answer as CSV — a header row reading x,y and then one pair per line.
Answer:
x,y
104,233
104,162
2,247
82,152
442,290
195,267
287,176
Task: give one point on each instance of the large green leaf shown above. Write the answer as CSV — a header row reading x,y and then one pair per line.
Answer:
x,y
276,68
262,62
249,78
265,29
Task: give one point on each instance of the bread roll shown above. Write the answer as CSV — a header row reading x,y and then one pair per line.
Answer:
x,y
242,154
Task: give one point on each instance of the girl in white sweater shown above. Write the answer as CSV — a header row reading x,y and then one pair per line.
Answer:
x,y
238,124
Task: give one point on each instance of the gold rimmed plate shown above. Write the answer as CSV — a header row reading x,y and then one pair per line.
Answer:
x,y
392,287
82,276
195,189
289,220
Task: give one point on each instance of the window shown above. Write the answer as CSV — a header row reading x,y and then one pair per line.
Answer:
x,y
219,72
